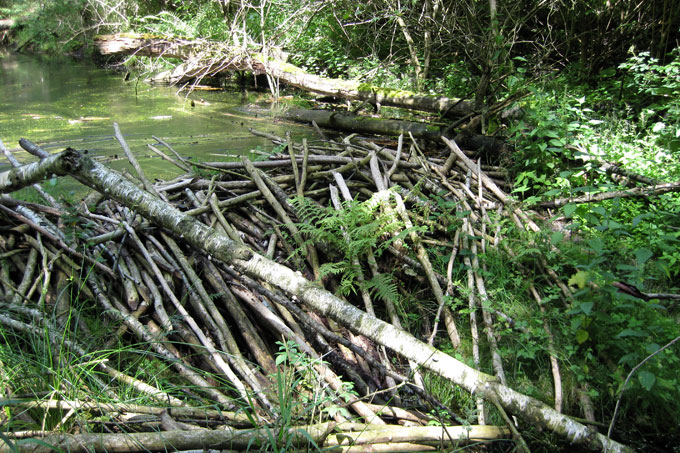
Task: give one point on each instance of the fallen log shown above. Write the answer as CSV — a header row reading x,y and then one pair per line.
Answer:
x,y
248,439
345,121
6,24
351,122
536,413
635,192
207,58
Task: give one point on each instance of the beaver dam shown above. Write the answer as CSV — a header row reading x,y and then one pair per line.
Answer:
x,y
306,300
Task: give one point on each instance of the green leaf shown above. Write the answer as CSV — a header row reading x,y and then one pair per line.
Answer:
x,y
280,358
581,336
599,210
596,245
556,237
579,279
652,348
569,209
587,307
642,255
647,380
639,218
631,333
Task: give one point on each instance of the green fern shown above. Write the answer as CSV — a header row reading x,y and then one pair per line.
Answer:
x,y
384,287
351,233
332,268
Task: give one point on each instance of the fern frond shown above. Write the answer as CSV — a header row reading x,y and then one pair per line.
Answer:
x,y
332,268
384,287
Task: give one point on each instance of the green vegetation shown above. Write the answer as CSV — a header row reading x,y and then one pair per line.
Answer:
x,y
366,231
583,102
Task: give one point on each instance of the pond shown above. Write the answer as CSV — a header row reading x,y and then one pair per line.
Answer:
x,y
62,102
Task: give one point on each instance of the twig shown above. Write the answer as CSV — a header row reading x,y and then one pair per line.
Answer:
x,y
625,383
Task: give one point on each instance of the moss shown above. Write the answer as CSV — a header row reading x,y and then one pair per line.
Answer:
x,y
132,35
387,92
291,68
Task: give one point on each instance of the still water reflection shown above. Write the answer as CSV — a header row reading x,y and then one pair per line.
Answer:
x,y
59,103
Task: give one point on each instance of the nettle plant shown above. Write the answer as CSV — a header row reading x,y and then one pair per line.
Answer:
x,y
546,140
605,332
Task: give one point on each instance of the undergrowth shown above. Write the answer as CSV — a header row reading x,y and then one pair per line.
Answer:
x,y
351,234
628,116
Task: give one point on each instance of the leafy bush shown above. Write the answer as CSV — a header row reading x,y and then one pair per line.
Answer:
x,y
653,90
630,117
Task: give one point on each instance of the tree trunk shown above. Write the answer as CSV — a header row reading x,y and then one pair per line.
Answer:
x,y
204,58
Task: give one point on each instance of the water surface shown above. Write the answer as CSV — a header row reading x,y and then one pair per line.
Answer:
x,y
60,103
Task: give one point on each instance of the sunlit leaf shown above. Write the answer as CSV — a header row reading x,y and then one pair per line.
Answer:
x,y
579,279
569,209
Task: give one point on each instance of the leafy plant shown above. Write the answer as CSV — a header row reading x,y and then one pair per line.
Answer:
x,y
351,233
301,397
653,90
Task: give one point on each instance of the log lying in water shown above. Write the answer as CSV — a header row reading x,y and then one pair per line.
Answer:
x,y
345,121
205,58
250,272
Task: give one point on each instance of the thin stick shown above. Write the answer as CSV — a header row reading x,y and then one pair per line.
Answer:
x,y
474,329
128,152
393,168
552,351
293,164
305,158
449,292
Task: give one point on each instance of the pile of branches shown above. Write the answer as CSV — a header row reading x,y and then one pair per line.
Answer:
x,y
219,269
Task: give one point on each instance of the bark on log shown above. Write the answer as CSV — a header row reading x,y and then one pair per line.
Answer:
x,y
6,24
147,45
216,58
249,439
26,175
636,192
325,303
345,121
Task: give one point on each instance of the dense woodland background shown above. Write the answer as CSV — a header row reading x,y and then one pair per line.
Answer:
x,y
590,82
